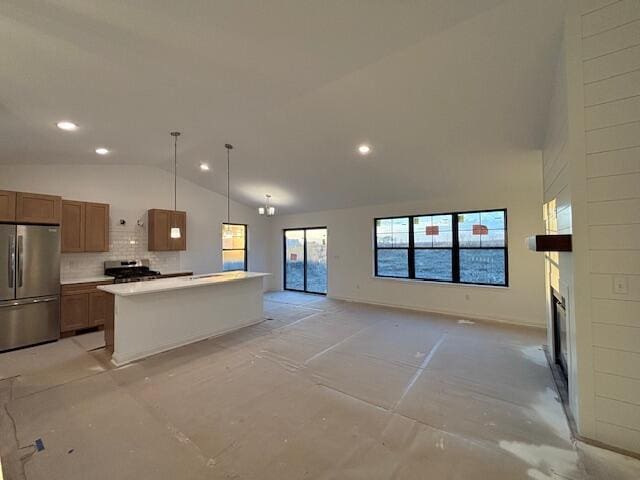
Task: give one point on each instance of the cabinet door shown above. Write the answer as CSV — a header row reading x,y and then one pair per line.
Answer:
x,y
100,308
37,208
179,219
7,206
158,231
96,228
74,312
72,226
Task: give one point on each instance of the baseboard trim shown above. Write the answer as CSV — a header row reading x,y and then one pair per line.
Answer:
x,y
448,313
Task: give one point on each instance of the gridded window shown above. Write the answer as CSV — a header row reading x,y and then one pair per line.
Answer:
x,y
234,247
392,247
465,247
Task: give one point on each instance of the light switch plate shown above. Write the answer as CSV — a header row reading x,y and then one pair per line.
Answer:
x,y
620,285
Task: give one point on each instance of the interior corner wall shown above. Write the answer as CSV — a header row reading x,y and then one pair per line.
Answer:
x,y
515,185
131,190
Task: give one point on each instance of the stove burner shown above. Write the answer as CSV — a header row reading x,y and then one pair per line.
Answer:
x,y
126,271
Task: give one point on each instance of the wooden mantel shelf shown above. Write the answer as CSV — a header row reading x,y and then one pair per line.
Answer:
x,y
549,243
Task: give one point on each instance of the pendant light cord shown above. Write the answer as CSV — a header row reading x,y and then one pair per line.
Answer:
x,y
228,146
175,173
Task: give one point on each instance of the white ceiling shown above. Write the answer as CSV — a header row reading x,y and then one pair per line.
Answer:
x,y
295,85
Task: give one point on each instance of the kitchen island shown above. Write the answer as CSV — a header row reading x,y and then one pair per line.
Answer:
x,y
159,315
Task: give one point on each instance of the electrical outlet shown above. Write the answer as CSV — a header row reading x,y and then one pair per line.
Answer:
x,y
620,285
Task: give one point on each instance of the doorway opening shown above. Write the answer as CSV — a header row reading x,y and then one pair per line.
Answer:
x,y
305,260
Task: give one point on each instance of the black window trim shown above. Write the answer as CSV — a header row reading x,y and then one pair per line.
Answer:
x,y
455,249
246,247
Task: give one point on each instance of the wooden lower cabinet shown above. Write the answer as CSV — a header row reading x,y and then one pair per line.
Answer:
x,y
100,308
74,312
82,306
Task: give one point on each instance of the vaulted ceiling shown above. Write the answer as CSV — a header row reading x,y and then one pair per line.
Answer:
x,y
433,86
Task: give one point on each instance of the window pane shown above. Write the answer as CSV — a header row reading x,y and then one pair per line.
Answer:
x,y
317,260
294,259
481,229
432,231
232,260
392,232
433,264
482,266
393,263
237,239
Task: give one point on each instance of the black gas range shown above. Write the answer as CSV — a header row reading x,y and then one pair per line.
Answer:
x,y
125,271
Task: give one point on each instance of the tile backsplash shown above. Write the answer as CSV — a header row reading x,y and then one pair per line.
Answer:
x,y
125,242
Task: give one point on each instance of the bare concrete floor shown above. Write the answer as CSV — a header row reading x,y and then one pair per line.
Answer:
x,y
320,390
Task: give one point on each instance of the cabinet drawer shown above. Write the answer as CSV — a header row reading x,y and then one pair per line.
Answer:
x,y
73,288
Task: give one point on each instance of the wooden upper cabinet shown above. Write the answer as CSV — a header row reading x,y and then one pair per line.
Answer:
x,y
178,219
38,208
160,223
7,206
96,229
72,226
85,227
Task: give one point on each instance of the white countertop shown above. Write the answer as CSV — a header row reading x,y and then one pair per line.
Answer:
x,y
96,278
177,283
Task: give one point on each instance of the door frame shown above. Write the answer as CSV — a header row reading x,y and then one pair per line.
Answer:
x,y
304,268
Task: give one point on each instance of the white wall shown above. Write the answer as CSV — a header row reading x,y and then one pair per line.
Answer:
x,y
515,185
131,191
611,76
593,174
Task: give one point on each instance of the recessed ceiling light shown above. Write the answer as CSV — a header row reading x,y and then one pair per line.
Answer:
x,y
204,167
102,151
69,126
364,149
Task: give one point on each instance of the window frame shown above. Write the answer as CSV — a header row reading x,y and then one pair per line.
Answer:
x,y
245,249
455,249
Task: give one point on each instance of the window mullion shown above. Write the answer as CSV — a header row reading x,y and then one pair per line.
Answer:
x,y
455,251
411,251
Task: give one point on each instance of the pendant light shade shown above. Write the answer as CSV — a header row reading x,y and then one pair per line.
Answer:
x,y
267,210
175,231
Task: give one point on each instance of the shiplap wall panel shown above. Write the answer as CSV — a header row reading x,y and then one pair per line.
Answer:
x,y
614,187
615,88
614,237
559,182
616,212
617,388
602,287
563,199
615,162
613,138
618,436
610,16
619,312
616,337
613,113
612,40
617,63
617,362
615,261
618,413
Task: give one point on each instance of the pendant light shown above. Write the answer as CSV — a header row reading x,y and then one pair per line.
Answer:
x,y
226,232
267,210
175,231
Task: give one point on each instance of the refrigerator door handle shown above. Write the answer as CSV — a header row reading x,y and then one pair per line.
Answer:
x,y
11,267
20,260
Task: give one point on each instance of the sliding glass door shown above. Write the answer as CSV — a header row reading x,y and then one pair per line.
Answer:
x,y
305,260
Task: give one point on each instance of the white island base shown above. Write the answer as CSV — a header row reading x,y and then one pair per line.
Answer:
x,y
159,315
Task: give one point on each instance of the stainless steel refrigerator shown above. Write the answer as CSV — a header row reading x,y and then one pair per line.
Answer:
x,y
29,285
